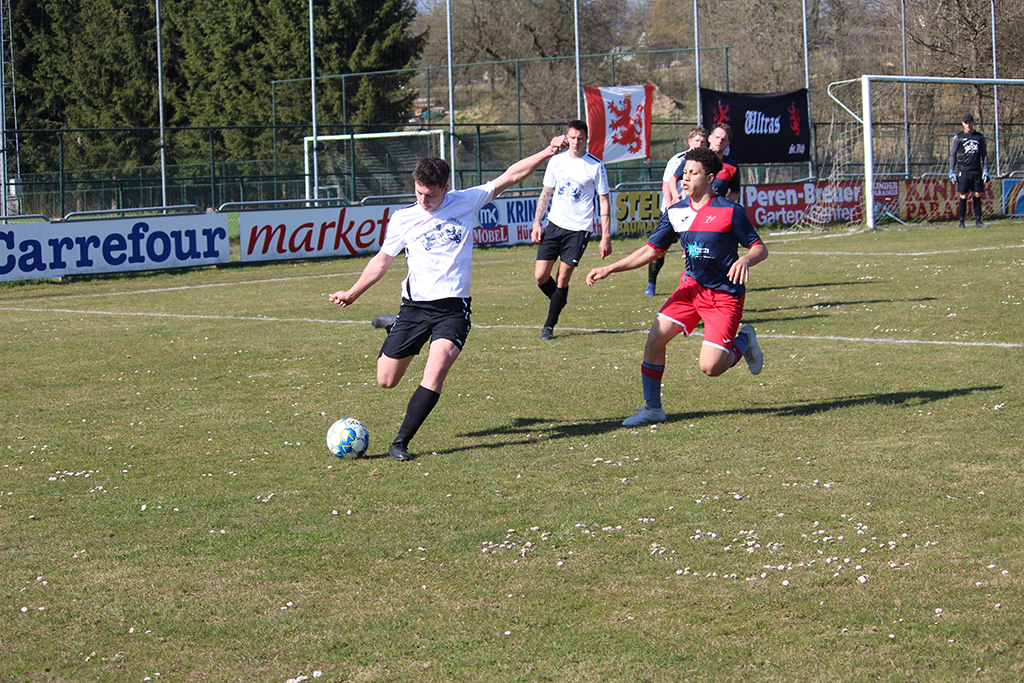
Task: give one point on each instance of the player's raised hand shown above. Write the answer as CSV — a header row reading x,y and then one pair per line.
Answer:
x,y
559,143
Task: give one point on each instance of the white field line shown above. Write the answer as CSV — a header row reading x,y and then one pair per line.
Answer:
x,y
186,316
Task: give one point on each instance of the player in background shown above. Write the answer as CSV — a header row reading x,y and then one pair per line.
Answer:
x,y
710,229
727,182
968,168
671,191
436,234
570,182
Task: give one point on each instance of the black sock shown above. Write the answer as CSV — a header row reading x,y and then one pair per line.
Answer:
x,y
977,209
653,268
422,402
558,300
548,287
963,209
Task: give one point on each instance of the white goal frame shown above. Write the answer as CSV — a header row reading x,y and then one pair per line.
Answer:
x,y
865,120
309,142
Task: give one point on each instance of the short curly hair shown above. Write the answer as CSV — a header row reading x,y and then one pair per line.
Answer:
x,y
706,158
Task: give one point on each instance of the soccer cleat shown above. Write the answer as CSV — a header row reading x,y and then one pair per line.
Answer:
x,y
645,416
650,289
753,355
961,226
979,224
547,333
384,321
400,452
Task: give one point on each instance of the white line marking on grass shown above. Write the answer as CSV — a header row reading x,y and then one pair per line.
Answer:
x,y
894,253
594,330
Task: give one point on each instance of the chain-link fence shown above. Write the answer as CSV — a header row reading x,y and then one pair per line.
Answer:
x,y
503,112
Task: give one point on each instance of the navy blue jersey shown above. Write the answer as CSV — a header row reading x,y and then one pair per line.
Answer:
x,y
711,237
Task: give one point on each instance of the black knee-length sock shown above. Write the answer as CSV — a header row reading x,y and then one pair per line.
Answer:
x,y
558,300
422,402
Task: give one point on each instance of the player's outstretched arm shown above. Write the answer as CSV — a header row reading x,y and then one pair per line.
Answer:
x,y
524,168
639,258
371,274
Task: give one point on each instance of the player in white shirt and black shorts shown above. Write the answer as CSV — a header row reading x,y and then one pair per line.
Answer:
x,y
436,235
570,182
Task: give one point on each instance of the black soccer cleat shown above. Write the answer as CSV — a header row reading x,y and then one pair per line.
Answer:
x,y
400,452
384,321
547,333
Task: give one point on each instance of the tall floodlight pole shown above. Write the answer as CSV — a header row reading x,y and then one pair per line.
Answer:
x,y
579,89
312,88
906,110
451,93
807,80
696,57
995,87
160,97
3,116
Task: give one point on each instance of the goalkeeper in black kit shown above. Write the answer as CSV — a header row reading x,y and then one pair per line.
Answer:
x,y
968,168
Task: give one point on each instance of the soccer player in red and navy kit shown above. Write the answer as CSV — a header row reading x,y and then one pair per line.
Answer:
x,y
711,229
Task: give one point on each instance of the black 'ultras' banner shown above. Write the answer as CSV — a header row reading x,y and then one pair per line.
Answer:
x,y
766,129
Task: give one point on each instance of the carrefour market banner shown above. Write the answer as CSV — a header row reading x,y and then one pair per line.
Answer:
x,y
344,231
45,250
773,128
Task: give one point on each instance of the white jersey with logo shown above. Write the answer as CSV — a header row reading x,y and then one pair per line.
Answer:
x,y
670,173
575,182
438,245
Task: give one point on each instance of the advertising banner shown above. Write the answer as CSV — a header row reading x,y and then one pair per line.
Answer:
x,y
1013,197
766,129
282,234
344,231
923,199
43,250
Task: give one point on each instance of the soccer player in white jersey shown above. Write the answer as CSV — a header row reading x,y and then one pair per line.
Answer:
x,y
570,182
436,234
713,288
671,191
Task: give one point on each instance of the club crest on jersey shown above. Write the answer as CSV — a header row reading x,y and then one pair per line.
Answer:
x,y
570,190
442,235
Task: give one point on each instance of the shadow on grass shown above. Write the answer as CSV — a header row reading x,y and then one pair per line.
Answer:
x,y
528,429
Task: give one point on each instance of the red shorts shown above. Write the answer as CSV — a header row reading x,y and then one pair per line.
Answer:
x,y
720,311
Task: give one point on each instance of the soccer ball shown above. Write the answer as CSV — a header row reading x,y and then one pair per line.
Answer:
x,y
348,438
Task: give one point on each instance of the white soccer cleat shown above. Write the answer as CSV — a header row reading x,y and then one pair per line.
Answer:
x,y
645,416
753,355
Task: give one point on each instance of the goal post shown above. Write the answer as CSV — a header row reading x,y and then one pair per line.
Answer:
x,y
376,164
873,139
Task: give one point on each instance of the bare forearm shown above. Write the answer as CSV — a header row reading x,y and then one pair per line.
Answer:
x,y
543,203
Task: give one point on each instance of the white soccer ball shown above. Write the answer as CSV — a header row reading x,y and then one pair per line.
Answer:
x,y
348,438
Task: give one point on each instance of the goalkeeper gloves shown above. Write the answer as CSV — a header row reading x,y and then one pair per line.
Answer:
x,y
984,175
952,177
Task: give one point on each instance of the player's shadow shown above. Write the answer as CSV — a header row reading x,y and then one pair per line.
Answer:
x,y
527,430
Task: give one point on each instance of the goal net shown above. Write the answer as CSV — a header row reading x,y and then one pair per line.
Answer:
x,y
893,134
365,165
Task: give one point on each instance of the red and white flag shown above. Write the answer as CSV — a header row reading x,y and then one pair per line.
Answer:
x,y
620,122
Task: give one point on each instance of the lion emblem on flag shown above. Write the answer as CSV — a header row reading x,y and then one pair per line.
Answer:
x,y
627,125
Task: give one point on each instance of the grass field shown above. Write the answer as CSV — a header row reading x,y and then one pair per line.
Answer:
x,y
169,511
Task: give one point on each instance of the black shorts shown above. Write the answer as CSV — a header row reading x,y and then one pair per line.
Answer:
x,y
969,181
419,321
567,245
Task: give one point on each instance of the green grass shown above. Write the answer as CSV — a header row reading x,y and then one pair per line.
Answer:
x,y
169,510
